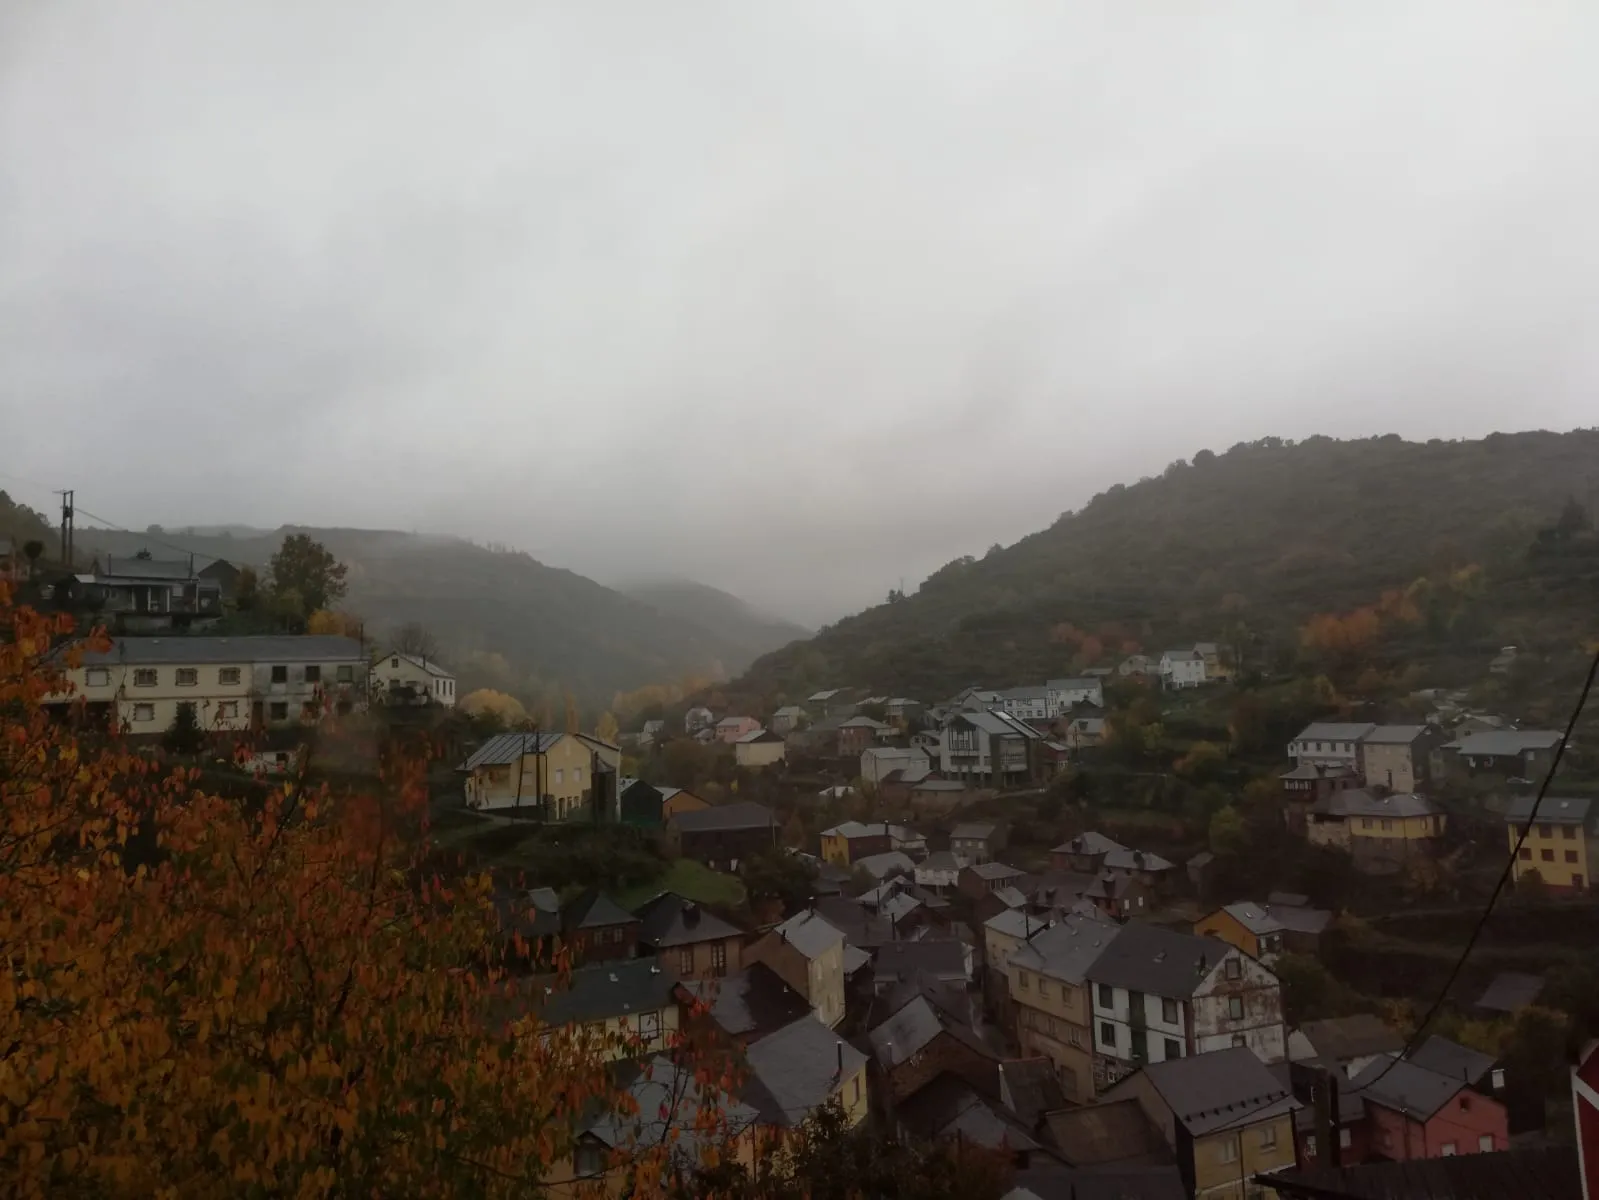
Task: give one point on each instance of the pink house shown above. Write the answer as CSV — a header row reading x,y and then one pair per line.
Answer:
x,y
730,729
1415,1112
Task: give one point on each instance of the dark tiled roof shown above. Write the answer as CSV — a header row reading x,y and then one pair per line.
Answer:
x,y
1146,958
1452,1059
1339,1039
593,909
252,649
746,814
605,990
1555,810
505,748
1511,991
1029,1088
669,920
754,1001
1545,1173
1117,1131
949,1107
1406,1087
1358,802
799,1067
533,914
1224,1089
940,958
1505,742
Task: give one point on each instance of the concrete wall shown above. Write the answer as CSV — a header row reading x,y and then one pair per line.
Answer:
x,y
1258,993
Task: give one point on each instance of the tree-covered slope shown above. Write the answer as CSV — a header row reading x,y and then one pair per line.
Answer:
x,y
1267,533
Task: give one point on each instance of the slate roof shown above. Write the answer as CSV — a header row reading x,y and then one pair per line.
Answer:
x,y
810,933
1162,962
1114,1131
1002,724
982,830
758,735
860,928
1541,1173
1511,991
1256,918
505,748
1394,735
1016,922
1332,731
1079,683
668,920
745,814
995,870
881,866
669,1110
614,989
1406,1087
1224,1089
1068,949
799,1068
1555,810
1310,770
593,909
255,648
1358,802
1451,1059
938,958
1262,919
533,914
1182,655
1340,1039
431,666
148,568
950,1107
1088,843
1505,742
939,860
1029,1088
752,1001
863,723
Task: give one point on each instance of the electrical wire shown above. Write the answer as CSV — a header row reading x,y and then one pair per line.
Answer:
x,y
1504,878
78,508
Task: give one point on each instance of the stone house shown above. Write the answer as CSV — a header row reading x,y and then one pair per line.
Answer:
x,y
807,953
696,942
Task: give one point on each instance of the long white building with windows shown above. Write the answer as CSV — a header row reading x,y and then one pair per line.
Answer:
x,y
139,684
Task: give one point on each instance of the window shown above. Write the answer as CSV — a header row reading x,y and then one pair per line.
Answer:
x,y
1022,981
1049,1026
97,677
1174,1048
1268,1138
1576,882
1240,1040
1447,1150
227,674
313,674
1235,968
1571,856
143,712
1465,1102
1497,1079
855,1089
1569,832
1387,826
1043,988
395,661
1107,1034
144,677
1107,998
718,958
345,674
1310,1145
309,711
1235,1007
187,677
1345,1138
577,774
279,711
1547,855
1074,1035
1365,822
560,774
227,710
1485,1143
1525,854
1168,1011
280,674
685,961
1546,831
649,1026
1228,1150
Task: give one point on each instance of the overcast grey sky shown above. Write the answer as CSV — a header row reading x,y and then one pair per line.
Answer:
x,y
792,297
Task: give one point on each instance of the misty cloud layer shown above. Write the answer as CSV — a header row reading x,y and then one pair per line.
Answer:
x,y
793,298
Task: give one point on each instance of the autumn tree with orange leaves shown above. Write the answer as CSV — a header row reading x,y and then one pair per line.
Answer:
x,y
204,997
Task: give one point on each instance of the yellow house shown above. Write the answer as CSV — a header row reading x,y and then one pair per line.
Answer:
x,y
807,953
1561,847
229,684
1047,978
801,1067
1003,934
759,748
1224,1114
632,1005
549,773
1380,832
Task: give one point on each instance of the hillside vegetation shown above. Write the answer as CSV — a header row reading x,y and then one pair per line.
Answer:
x,y
503,619
736,624
1247,543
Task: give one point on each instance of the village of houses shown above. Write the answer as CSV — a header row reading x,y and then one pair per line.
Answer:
x,y
936,980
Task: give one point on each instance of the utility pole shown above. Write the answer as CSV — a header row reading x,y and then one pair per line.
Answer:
x,y
66,527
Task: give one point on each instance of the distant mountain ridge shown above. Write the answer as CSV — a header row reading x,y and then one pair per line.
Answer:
x,y
1266,534
735,621
504,619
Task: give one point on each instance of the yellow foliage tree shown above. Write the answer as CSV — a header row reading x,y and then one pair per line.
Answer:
x,y
485,700
333,622
606,728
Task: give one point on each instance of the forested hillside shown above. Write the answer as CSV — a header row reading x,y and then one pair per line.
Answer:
x,y
733,622
1247,543
502,619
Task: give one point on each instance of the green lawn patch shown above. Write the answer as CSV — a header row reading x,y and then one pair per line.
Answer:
x,y
692,880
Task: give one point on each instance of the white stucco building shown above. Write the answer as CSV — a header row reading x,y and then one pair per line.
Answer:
x,y
411,679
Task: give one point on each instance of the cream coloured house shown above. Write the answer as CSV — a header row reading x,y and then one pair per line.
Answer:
x,y
411,679
550,774
139,684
